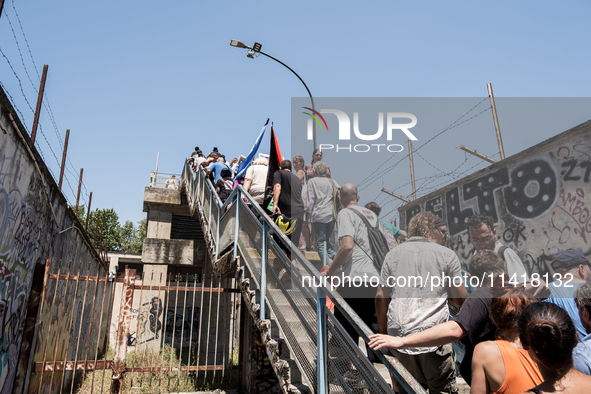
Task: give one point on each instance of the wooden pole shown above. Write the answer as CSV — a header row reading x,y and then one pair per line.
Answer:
x,y
64,159
96,225
39,102
406,200
479,155
496,120
79,186
412,171
88,212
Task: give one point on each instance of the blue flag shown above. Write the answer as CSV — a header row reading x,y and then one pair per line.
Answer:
x,y
241,171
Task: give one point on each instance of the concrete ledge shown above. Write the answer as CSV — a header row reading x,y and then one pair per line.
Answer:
x,y
174,252
164,199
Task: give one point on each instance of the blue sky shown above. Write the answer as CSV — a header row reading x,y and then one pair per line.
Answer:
x,y
133,79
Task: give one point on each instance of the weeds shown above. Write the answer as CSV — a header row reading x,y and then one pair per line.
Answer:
x,y
160,381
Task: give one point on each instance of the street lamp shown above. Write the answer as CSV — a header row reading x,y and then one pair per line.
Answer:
x,y
256,48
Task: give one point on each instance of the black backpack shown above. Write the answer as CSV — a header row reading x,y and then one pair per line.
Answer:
x,y
377,241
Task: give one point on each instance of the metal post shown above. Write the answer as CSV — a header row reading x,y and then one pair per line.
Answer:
x,y
412,171
406,200
321,348
88,212
96,223
304,83
477,154
496,120
39,102
64,159
203,184
210,204
156,172
217,235
238,201
79,186
264,268
118,365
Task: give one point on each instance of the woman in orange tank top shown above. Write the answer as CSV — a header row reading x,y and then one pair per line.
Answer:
x,y
503,366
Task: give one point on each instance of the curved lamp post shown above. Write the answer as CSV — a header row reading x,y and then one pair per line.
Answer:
x,y
257,49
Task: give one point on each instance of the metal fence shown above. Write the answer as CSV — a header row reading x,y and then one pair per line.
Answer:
x,y
75,309
159,179
321,347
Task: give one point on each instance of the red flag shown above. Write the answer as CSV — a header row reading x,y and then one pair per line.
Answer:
x,y
275,159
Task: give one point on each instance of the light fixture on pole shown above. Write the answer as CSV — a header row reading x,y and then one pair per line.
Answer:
x,y
255,50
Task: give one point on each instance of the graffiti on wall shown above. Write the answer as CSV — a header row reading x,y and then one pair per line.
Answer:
x,y
26,234
540,204
182,325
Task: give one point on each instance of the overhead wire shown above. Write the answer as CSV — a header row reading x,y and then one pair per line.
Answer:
x,y
69,166
375,175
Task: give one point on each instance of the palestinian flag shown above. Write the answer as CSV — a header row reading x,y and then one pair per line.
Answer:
x,y
275,159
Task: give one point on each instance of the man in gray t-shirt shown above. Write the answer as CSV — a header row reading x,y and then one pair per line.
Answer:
x,y
421,276
354,256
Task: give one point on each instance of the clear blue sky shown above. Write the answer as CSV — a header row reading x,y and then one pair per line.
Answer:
x,y
131,79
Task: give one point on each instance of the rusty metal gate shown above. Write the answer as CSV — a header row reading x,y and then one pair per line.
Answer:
x,y
155,332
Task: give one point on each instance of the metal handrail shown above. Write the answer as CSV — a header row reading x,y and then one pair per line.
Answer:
x,y
197,182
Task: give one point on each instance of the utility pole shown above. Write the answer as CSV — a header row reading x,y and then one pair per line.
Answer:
x,y
412,171
1,7
496,120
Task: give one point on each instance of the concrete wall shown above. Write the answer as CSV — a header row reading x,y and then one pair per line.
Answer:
x,y
29,235
540,200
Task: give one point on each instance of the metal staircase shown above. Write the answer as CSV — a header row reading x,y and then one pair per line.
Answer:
x,y
246,243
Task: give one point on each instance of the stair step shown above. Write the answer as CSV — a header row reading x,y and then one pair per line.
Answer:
x,y
295,376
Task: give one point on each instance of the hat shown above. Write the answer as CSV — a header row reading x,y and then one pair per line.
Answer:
x,y
438,222
568,258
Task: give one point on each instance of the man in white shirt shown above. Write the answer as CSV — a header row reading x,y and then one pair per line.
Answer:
x,y
483,236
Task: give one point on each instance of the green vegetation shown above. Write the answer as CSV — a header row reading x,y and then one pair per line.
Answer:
x,y
159,382
126,238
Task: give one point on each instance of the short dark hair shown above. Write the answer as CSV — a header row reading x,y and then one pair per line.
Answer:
x,y
285,165
374,207
197,148
477,221
226,172
486,262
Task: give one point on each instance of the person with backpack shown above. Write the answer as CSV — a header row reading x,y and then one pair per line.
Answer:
x,y
483,236
320,207
419,302
224,185
355,257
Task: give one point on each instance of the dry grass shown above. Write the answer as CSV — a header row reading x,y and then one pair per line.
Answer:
x,y
160,382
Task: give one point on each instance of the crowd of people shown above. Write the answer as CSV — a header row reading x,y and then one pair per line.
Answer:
x,y
521,332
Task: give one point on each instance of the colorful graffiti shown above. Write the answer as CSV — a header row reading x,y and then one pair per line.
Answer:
x,y
539,202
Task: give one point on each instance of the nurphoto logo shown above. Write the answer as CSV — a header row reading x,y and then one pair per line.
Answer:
x,y
344,132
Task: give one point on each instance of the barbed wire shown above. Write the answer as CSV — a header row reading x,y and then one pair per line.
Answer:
x,y
371,178
438,185
18,46
69,166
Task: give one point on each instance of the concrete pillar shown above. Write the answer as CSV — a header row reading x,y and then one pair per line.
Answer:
x,y
159,224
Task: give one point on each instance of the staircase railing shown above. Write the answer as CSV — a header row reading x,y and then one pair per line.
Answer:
x,y
322,349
